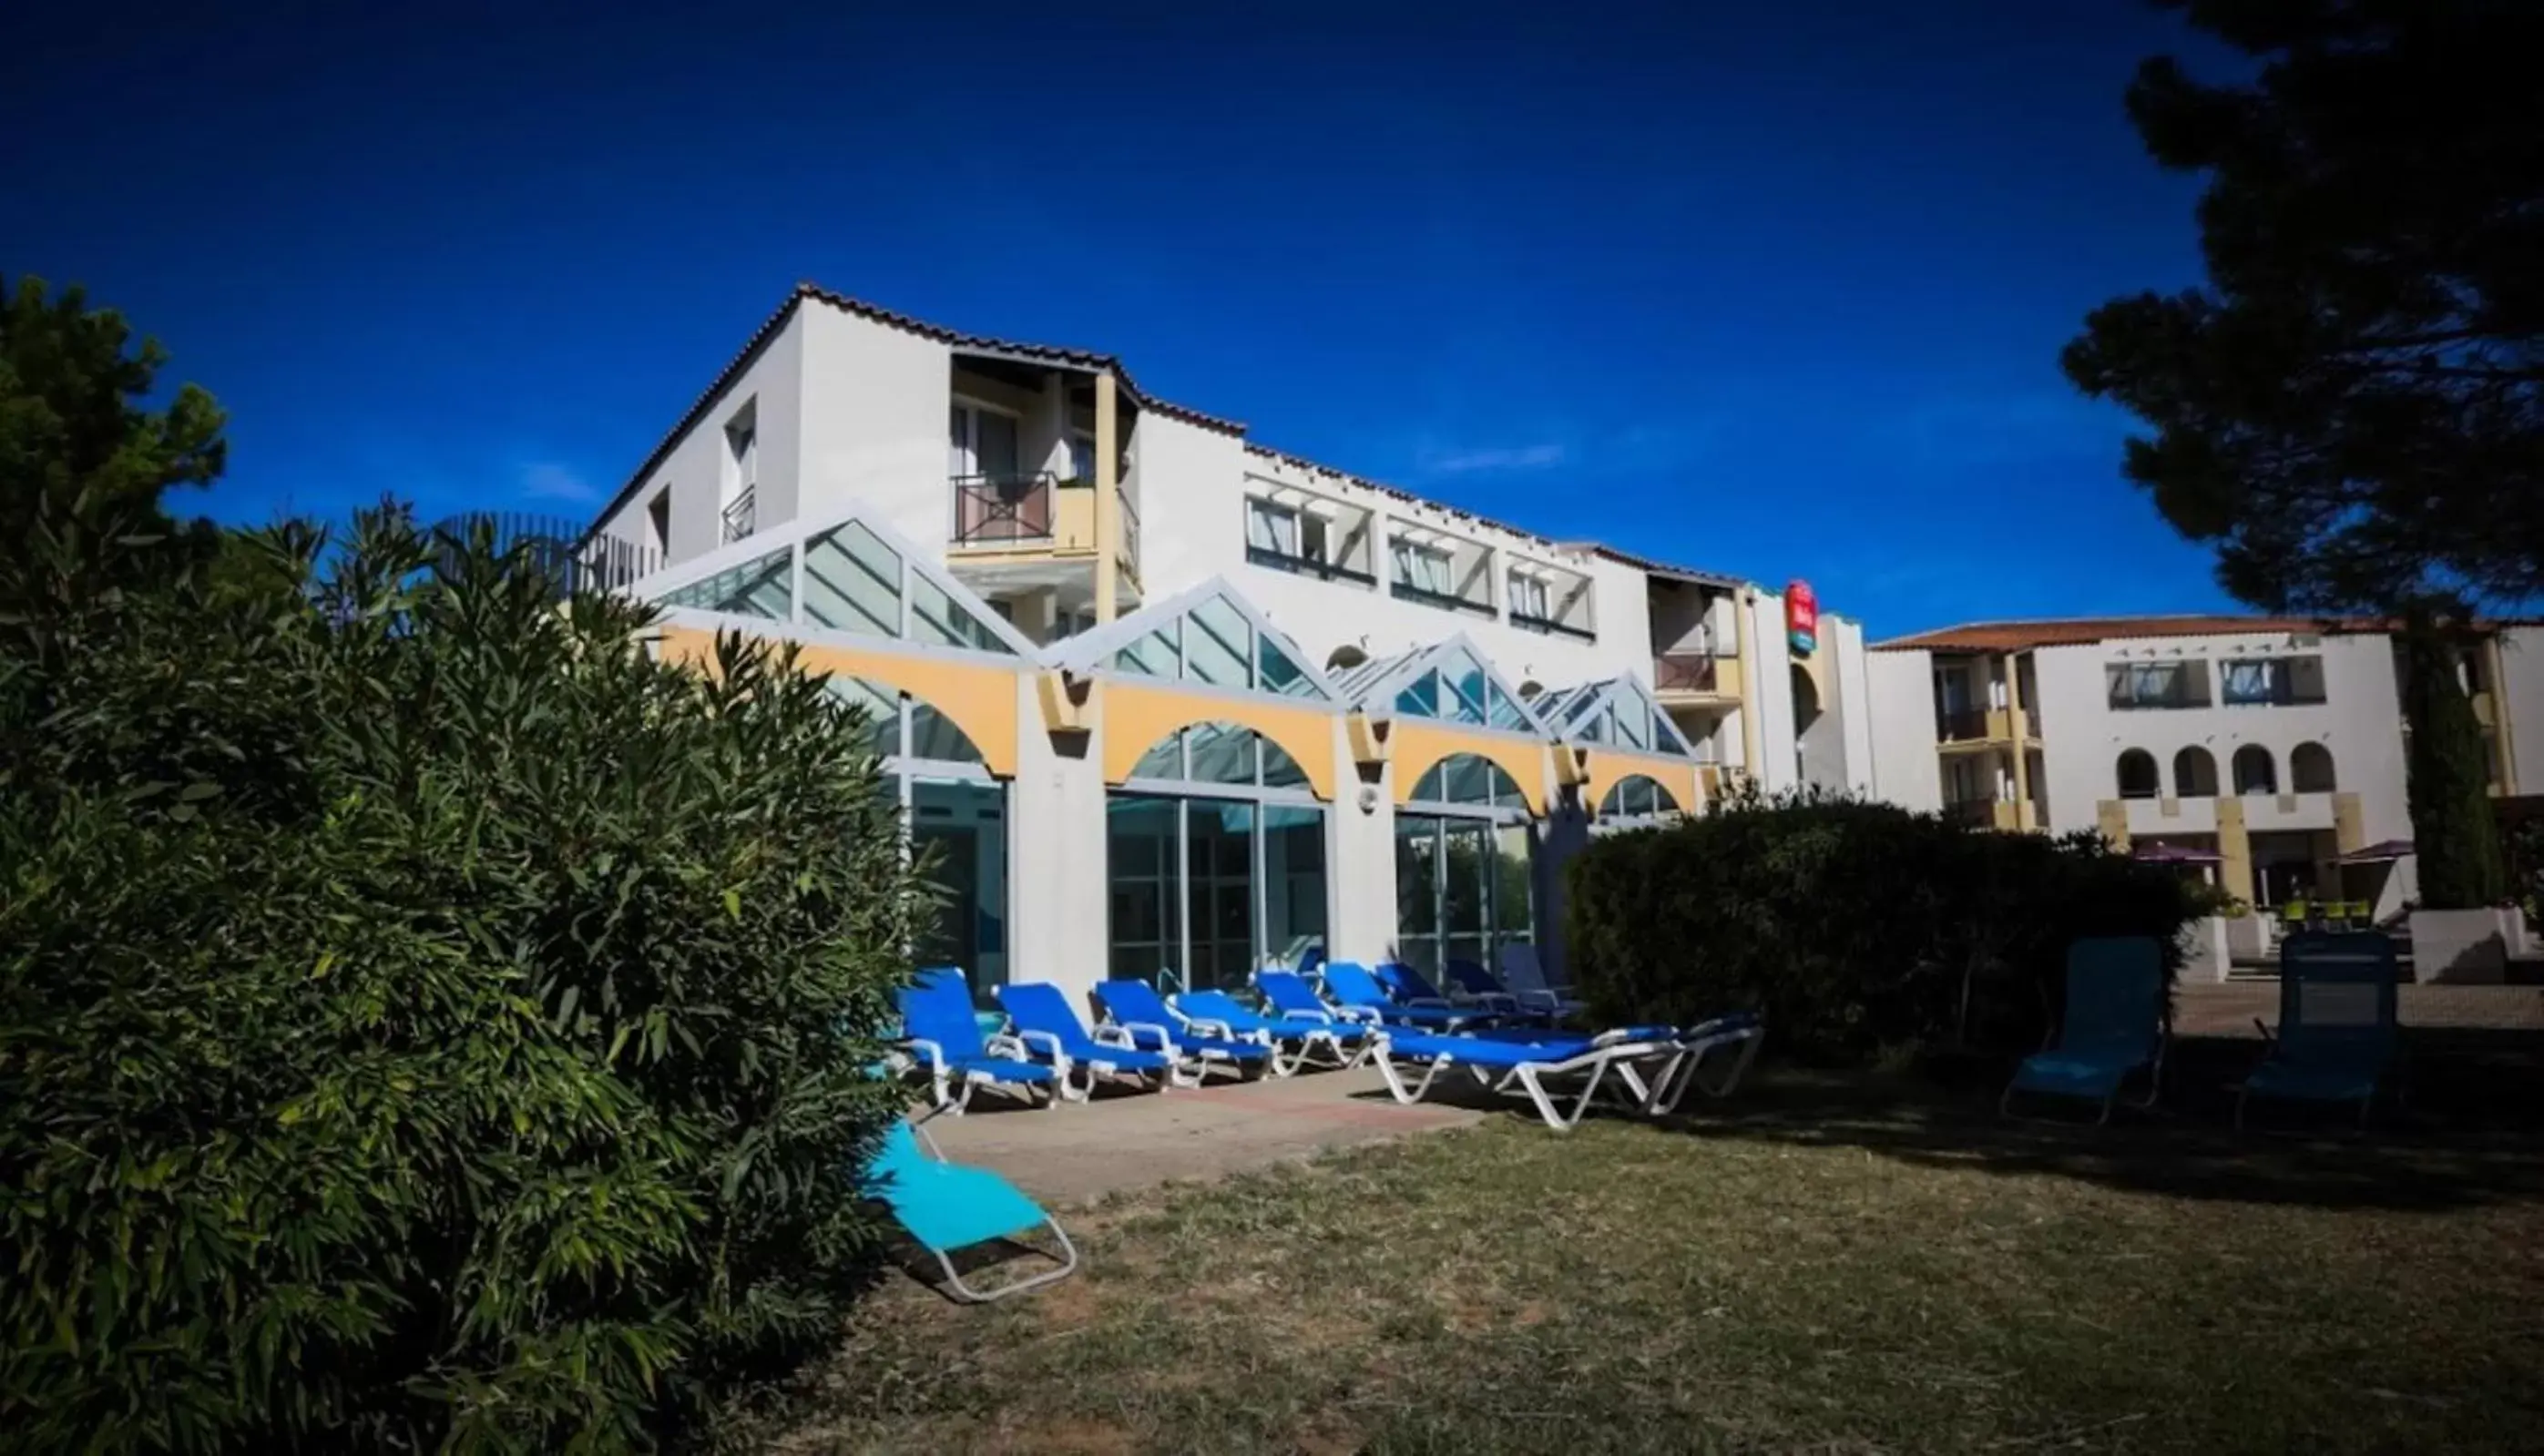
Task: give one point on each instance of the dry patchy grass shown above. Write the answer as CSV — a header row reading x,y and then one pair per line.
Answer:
x,y
1864,1281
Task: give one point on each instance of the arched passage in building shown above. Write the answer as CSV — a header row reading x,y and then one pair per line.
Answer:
x,y
1465,848
1215,849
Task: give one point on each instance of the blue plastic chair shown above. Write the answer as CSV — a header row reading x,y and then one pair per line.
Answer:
x,y
937,1021
2338,1027
1352,984
948,1207
1306,1042
1050,1028
2113,1027
1136,1011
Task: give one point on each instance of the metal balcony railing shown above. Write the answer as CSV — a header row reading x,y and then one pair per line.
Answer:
x,y
1962,727
554,544
990,509
1531,622
1688,672
742,518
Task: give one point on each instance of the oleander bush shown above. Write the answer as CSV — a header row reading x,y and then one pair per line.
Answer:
x,y
1856,929
425,1021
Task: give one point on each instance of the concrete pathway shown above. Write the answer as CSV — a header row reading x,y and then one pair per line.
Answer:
x,y
1081,1151
2227,1009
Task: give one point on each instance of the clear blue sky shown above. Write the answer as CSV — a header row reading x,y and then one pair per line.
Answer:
x,y
1770,289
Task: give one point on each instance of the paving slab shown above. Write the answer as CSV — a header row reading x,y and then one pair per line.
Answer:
x,y
1079,1152
2228,1009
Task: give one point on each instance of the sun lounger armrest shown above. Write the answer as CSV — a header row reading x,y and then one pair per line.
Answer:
x,y
929,1055
1138,1029
1117,1034
1010,1045
1202,1026
1367,1015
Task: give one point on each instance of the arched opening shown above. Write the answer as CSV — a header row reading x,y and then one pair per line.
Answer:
x,y
1636,796
2195,774
2255,771
1464,858
1214,850
953,807
2137,774
2310,769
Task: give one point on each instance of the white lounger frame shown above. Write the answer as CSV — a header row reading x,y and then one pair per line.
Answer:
x,y
965,1292
954,1099
1653,1073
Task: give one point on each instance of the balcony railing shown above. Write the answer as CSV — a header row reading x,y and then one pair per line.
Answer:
x,y
1688,672
742,518
1408,591
995,509
1531,622
1967,724
1306,566
554,546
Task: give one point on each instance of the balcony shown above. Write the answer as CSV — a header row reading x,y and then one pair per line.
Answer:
x,y
1983,814
1684,678
999,511
1966,728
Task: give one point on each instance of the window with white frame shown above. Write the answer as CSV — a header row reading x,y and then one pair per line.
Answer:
x,y
1271,528
1422,567
1081,458
1528,596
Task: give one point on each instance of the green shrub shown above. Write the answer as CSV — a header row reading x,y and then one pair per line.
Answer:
x,y
1851,926
423,1019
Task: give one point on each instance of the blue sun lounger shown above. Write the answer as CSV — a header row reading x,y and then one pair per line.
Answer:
x,y
2112,1028
1343,1043
2338,1029
1652,1067
1524,975
1353,985
1292,999
1050,1030
948,1207
1472,985
1134,1010
944,1035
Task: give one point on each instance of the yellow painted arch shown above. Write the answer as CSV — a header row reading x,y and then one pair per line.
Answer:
x,y
978,698
1416,744
1609,767
1136,716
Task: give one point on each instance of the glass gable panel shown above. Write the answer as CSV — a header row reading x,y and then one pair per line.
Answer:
x,y
881,706
1277,672
937,619
756,588
1216,646
1423,699
1634,730
1464,677
852,582
1153,655
1222,753
1503,711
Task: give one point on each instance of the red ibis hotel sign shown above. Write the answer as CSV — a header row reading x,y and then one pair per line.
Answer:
x,y
1802,616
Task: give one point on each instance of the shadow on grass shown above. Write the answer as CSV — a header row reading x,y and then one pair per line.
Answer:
x,y
2468,1130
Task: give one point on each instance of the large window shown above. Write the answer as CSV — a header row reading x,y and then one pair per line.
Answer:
x,y
2195,774
2310,769
957,822
2271,681
2137,774
980,443
1424,568
1464,858
2177,684
2255,771
1636,796
1216,854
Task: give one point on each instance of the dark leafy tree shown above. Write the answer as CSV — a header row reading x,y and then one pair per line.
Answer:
x,y
2448,774
2352,407
83,460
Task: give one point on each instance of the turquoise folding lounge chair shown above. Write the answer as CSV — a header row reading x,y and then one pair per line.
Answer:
x,y
945,1039
1352,984
2112,1028
1134,1010
1050,1030
948,1207
1343,1044
1526,977
2338,1031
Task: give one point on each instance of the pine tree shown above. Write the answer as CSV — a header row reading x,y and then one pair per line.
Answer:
x,y
2448,774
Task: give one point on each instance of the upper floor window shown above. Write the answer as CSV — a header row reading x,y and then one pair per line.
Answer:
x,y
2137,774
2271,681
2176,684
1422,568
1528,597
658,523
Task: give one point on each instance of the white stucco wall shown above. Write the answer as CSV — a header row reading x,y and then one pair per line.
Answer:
x,y
2521,694
875,400
1854,685
2360,724
1902,693
692,471
1772,662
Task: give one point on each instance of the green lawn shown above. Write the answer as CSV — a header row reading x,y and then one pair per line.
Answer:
x,y
1846,1267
